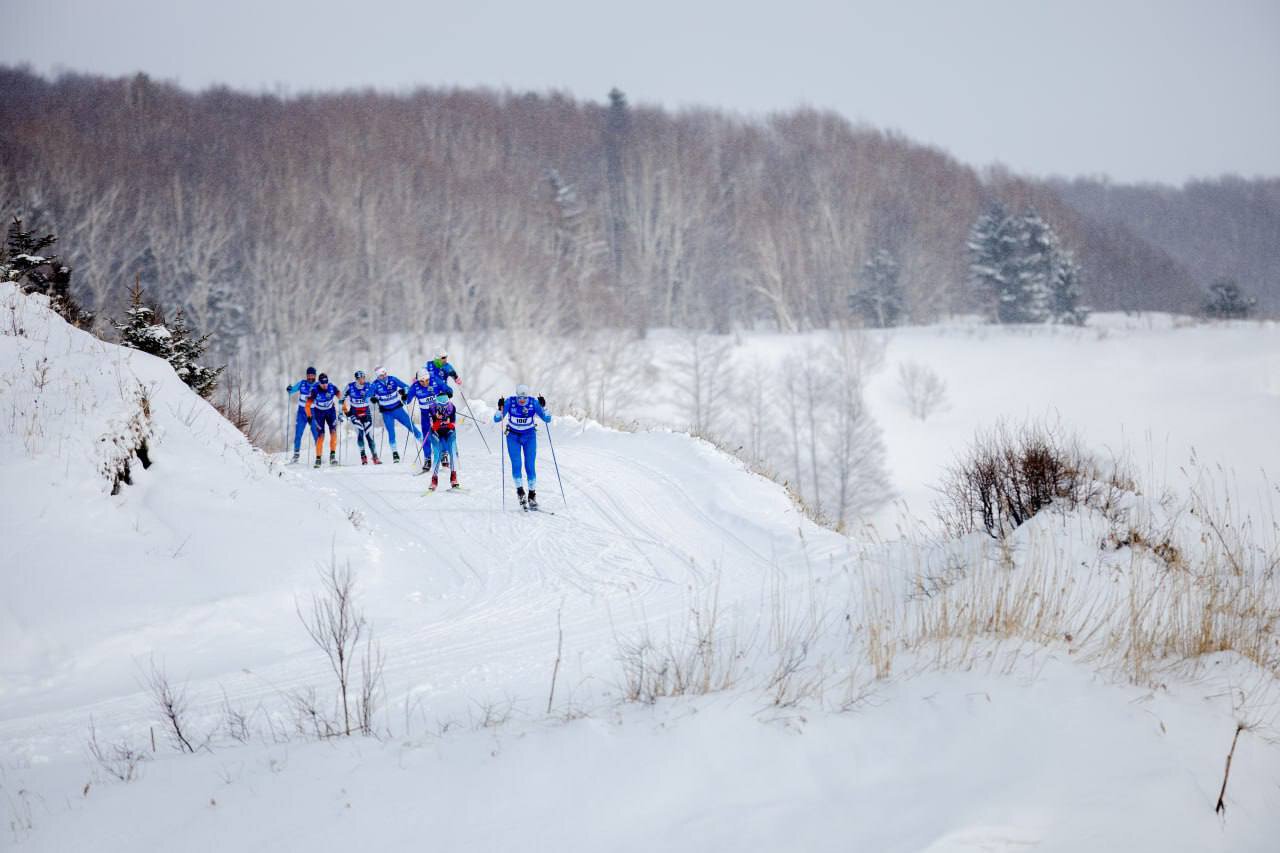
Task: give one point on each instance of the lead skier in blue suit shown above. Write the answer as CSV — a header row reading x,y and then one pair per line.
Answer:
x,y
303,388
522,440
391,393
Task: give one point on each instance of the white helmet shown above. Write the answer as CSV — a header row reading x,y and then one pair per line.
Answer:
x,y
381,371
422,375
442,353
522,390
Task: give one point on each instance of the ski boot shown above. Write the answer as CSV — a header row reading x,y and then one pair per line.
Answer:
x,y
453,480
333,457
426,466
395,456
317,465
435,481
376,460
295,458
364,460
524,502
533,499
444,460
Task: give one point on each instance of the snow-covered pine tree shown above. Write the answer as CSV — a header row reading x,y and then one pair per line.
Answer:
x,y
995,274
188,351
1020,270
1226,301
143,328
879,300
1064,292
24,261
1035,264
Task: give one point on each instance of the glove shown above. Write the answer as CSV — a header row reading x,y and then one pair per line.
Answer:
x,y
542,401
404,396
457,381
502,401
341,418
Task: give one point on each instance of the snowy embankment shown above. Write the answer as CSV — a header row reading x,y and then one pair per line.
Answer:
x,y
829,694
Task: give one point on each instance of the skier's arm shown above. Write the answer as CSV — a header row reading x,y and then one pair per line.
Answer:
x,y
450,370
502,409
542,413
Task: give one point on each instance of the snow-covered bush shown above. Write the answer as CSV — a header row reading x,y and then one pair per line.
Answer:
x,y
23,260
1009,474
124,443
1226,301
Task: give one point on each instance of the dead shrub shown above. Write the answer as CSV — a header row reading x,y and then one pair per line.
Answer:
x,y
1009,474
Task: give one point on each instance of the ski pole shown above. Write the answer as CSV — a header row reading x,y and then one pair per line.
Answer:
x,y
555,462
474,421
502,464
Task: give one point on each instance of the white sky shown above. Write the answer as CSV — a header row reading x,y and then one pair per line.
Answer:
x,y
1159,90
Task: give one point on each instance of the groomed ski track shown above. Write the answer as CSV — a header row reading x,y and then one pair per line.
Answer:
x,y
464,595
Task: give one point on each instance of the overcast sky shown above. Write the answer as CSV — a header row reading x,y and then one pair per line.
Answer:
x,y
1161,90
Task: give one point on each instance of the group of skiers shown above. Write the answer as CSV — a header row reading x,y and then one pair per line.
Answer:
x,y
322,407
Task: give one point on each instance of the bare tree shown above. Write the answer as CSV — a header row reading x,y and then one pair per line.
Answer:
x,y
173,706
335,626
923,390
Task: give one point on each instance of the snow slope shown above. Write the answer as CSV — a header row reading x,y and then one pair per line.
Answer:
x,y
198,564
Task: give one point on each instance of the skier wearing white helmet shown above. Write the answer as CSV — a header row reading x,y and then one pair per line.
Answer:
x,y
522,439
391,393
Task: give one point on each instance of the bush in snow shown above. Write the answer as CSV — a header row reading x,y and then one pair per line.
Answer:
x,y
1020,272
1226,301
879,302
144,329
1008,475
22,260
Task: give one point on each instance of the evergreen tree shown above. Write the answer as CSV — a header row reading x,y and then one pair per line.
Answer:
x,y
1226,301
188,351
1020,272
1064,292
994,269
143,328
879,301
23,260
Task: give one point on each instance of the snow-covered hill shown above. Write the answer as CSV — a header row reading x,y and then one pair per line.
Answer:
x,y
829,704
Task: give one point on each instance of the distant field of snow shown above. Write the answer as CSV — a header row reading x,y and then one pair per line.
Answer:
x,y
841,724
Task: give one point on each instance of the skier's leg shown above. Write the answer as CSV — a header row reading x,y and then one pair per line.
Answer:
x,y
389,424
298,428
513,453
530,458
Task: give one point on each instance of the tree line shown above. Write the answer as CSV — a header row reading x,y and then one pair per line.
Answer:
x,y
322,222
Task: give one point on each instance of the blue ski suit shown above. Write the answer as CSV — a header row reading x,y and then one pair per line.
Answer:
x,y
424,396
303,388
358,403
324,413
388,392
438,377
522,437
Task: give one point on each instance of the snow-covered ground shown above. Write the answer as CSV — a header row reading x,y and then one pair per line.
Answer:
x,y
196,568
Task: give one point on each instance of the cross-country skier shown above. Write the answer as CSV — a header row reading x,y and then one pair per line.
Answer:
x,y
324,413
357,404
439,370
421,393
522,439
444,429
391,393
303,388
